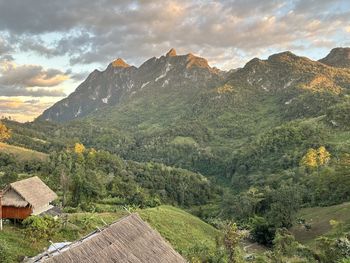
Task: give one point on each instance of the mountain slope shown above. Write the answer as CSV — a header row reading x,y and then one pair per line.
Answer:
x,y
170,222
182,112
319,219
338,57
22,153
120,82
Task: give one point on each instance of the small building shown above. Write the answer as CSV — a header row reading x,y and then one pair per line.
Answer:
x,y
129,239
27,197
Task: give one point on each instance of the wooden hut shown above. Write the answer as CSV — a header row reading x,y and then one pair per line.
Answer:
x,y
128,240
27,197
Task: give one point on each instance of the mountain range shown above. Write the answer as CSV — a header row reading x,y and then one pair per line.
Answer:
x,y
120,82
178,110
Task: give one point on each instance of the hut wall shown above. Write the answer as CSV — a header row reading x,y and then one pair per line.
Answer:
x,y
12,212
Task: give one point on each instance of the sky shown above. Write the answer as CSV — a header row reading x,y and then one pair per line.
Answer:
x,y
48,47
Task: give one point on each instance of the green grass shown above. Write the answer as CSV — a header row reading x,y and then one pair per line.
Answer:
x,y
19,246
22,153
318,218
183,230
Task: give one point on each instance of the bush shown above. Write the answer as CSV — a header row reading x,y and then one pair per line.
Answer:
x,y
41,228
334,250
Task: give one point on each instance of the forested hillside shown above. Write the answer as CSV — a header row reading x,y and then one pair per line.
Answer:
x,y
252,145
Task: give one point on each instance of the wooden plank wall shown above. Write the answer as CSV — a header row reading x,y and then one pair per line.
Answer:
x,y
11,212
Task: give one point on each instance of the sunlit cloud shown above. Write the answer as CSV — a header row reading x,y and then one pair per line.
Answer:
x,y
21,108
29,75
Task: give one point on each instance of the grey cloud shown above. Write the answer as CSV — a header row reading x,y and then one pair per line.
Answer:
x,y
79,76
29,80
29,75
32,101
98,31
14,91
4,47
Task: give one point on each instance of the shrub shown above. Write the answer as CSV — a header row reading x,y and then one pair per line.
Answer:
x,y
41,228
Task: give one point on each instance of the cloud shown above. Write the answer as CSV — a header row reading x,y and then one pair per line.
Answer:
x,y
79,76
13,91
90,31
5,48
29,75
80,34
20,109
29,80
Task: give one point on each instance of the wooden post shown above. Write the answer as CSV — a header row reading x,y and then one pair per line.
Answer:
x,y
0,211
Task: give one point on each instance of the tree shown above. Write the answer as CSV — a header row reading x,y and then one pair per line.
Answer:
x,y
262,231
310,159
64,181
232,237
323,156
316,158
5,133
79,148
286,247
285,202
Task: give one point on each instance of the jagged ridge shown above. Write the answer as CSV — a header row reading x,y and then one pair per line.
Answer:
x,y
121,81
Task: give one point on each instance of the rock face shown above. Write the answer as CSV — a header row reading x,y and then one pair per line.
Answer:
x,y
121,81
338,57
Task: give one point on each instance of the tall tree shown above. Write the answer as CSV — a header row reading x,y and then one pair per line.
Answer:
x,y
79,148
310,159
232,237
316,158
5,133
323,156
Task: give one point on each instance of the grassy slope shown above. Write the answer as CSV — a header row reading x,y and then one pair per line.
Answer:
x,y
22,153
180,228
318,218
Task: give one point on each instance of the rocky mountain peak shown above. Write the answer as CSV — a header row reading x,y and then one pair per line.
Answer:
x,y
171,53
120,63
338,57
121,82
194,61
285,56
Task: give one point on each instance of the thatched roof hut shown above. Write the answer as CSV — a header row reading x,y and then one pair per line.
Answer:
x,y
29,196
128,240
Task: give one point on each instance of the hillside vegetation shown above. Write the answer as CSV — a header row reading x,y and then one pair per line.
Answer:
x,y
251,146
22,153
184,231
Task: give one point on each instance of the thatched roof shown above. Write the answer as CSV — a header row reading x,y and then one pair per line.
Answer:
x,y
12,198
128,240
31,191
